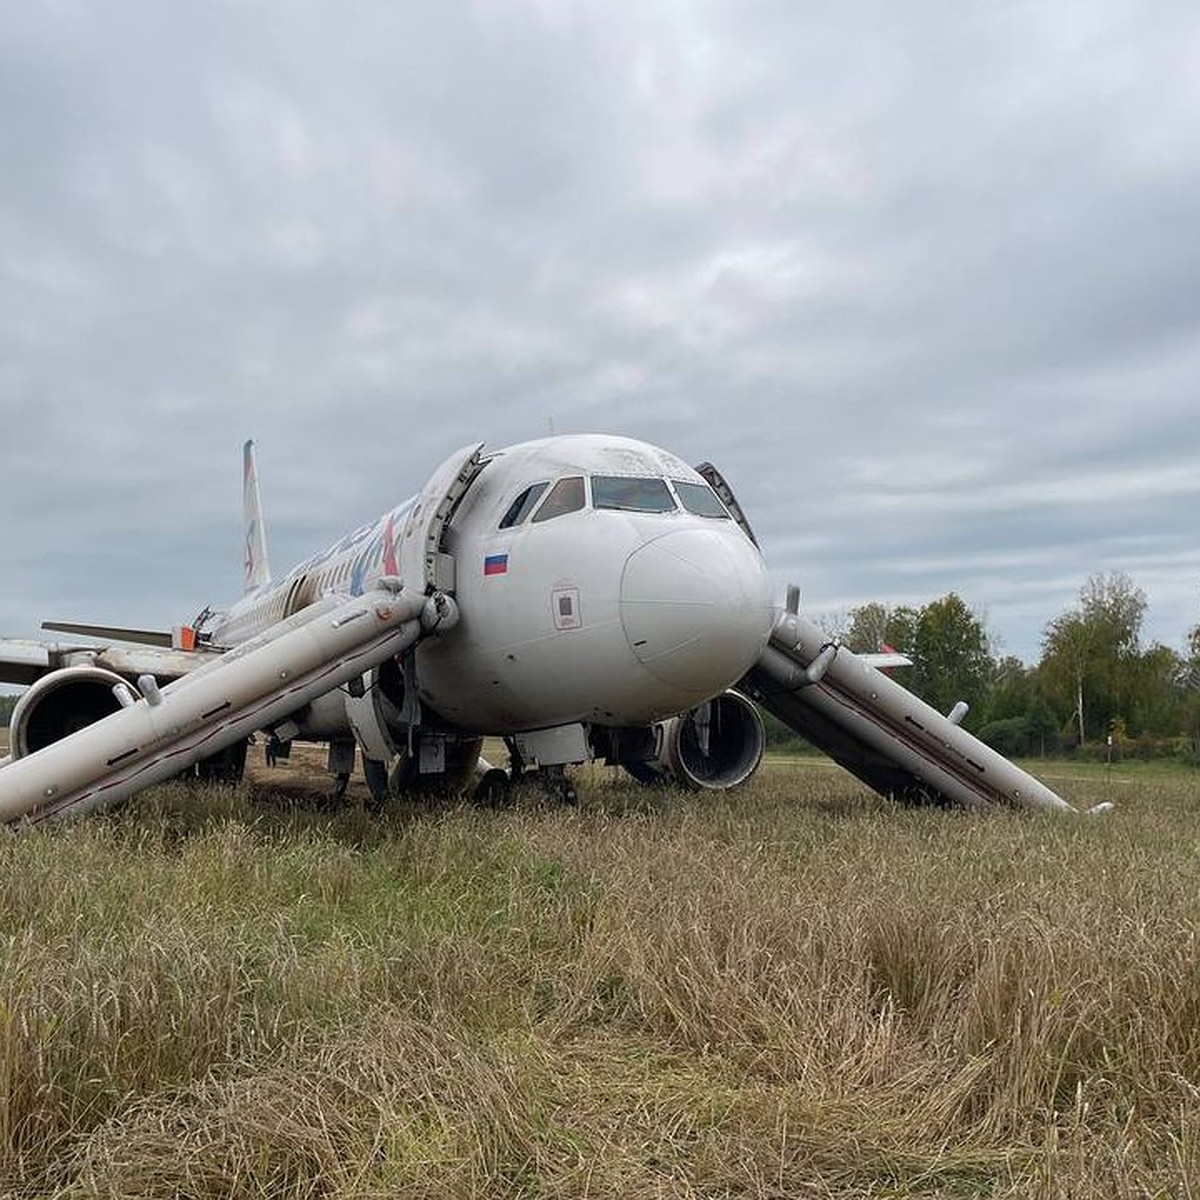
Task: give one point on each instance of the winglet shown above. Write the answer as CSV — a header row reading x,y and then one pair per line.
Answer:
x,y
258,569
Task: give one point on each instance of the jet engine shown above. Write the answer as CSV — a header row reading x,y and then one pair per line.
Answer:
x,y
390,727
715,746
71,698
61,703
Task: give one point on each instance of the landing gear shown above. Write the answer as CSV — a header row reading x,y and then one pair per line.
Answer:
x,y
647,774
341,767
438,767
226,766
337,795
494,790
495,787
376,774
557,785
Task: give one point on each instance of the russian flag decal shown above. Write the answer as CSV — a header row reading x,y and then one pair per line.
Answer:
x,y
495,564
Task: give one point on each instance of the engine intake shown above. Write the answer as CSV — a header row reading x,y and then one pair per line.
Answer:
x,y
713,747
61,703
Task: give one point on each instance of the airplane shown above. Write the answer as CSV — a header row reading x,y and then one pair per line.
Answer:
x,y
581,596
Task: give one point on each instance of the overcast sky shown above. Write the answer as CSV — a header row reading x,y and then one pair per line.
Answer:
x,y
922,278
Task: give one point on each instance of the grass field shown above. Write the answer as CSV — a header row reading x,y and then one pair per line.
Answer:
x,y
794,991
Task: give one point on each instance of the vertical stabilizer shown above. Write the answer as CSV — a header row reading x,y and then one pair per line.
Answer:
x,y
258,570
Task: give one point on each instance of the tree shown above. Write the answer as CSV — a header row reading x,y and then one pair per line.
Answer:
x,y
1191,684
1157,706
873,626
1020,719
1091,655
952,659
864,633
1065,665
1014,688
946,641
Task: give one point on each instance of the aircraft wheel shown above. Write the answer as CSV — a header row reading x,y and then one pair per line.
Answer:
x,y
334,800
461,758
494,790
226,766
646,775
922,796
558,785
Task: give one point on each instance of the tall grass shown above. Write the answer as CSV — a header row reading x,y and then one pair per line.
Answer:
x,y
794,991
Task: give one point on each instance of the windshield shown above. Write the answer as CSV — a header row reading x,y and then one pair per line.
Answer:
x,y
566,496
522,506
632,495
700,499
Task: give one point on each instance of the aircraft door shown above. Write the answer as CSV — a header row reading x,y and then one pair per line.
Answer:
x,y
717,482
422,564
300,595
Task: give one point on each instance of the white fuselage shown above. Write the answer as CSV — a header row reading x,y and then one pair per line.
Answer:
x,y
638,599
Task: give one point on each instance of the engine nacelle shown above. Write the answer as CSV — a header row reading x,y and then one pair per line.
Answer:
x,y
61,703
379,709
386,720
715,746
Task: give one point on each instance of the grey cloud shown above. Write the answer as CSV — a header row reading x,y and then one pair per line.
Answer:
x,y
923,282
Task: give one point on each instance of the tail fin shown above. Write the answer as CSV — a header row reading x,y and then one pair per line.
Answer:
x,y
258,569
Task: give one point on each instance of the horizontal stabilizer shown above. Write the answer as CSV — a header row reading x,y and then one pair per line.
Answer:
x,y
141,637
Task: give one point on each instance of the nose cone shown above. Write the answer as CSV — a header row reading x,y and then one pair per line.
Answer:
x,y
696,607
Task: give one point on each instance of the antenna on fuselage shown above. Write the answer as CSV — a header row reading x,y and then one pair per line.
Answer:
x,y
258,568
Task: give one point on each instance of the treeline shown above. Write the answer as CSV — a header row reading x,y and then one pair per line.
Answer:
x,y
7,704
1095,679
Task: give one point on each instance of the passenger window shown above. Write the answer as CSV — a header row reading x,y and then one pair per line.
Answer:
x,y
700,499
522,506
566,496
632,495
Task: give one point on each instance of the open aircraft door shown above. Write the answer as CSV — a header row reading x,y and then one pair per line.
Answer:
x,y
423,568
422,564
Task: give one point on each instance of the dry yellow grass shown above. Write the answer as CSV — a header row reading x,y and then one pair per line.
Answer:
x,y
797,990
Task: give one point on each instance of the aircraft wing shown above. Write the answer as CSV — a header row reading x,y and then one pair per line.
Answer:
x,y
881,660
25,661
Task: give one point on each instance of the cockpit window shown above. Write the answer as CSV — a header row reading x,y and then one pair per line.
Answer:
x,y
522,506
700,499
566,496
633,495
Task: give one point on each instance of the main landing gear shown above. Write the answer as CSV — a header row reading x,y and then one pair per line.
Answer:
x,y
495,786
492,789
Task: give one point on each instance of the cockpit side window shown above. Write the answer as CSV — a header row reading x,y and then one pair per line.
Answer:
x,y
522,506
566,496
631,494
700,499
